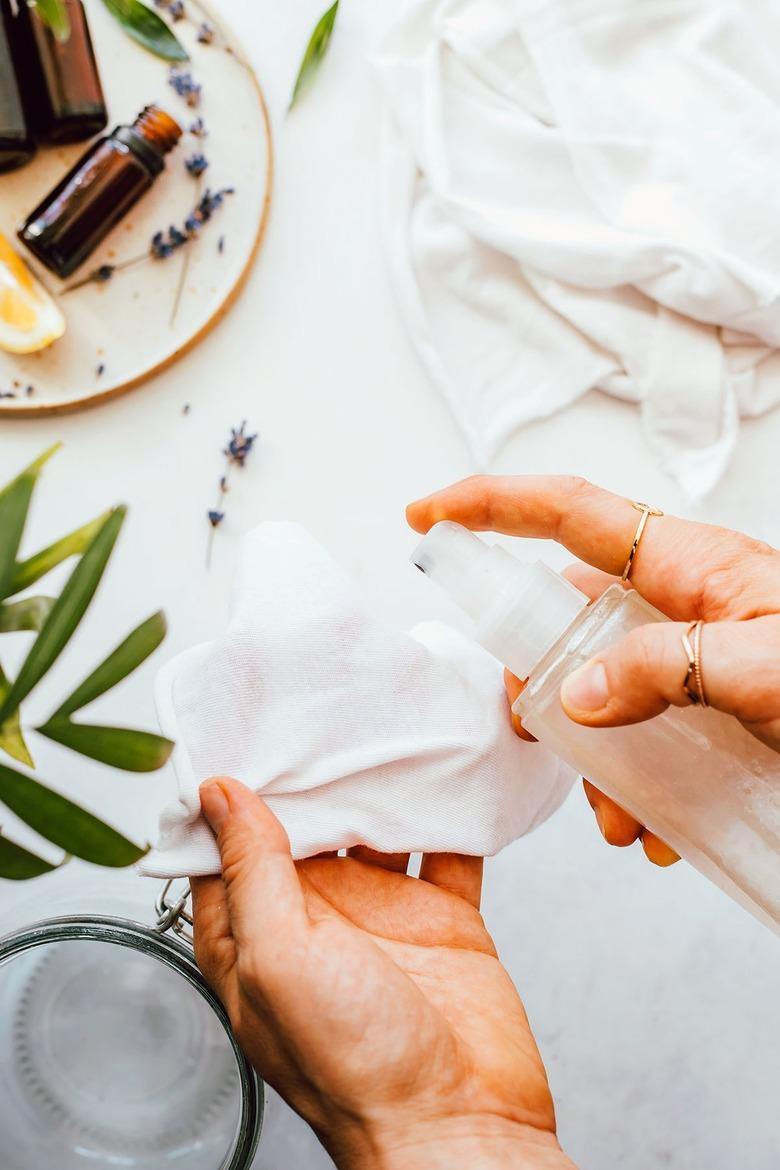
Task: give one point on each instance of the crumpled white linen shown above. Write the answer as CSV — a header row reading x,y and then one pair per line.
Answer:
x,y
585,194
354,732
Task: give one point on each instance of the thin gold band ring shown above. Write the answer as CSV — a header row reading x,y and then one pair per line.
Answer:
x,y
646,511
693,683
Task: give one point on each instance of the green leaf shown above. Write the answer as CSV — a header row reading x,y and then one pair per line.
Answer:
x,y
12,741
11,738
148,29
64,823
315,52
28,572
14,504
120,747
121,662
17,864
55,14
28,614
66,613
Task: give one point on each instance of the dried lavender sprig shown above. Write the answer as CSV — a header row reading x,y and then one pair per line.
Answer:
x,y
177,11
161,245
239,446
184,84
164,245
105,272
29,390
196,164
208,203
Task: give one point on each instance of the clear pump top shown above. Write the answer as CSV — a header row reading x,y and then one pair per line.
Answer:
x,y
520,608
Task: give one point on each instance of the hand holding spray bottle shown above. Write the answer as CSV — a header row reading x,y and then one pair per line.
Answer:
x,y
694,776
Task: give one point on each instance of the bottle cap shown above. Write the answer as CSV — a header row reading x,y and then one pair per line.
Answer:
x,y
520,608
158,128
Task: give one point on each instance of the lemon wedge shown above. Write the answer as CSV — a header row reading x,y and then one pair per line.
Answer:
x,y
29,318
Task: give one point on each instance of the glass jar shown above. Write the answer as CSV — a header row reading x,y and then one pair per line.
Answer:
x,y
115,1052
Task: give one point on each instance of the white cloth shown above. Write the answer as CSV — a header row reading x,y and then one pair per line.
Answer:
x,y
354,732
586,193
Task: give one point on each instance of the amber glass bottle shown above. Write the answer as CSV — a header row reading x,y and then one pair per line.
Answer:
x,y
100,189
65,94
17,145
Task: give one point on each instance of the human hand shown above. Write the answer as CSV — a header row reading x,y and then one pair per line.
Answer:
x,y
372,1001
687,570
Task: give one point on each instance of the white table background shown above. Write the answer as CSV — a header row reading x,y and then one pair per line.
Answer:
x,y
653,998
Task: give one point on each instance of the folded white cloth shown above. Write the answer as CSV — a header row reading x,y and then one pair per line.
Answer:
x,y
354,732
586,193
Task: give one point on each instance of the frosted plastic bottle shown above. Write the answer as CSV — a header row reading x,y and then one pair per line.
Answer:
x,y
694,776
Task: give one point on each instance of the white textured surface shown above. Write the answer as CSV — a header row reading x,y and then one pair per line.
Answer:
x,y
654,999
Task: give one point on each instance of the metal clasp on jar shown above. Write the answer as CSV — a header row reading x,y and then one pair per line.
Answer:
x,y
172,913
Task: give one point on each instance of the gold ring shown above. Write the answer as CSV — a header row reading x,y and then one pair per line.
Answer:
x,y
646,511
693,675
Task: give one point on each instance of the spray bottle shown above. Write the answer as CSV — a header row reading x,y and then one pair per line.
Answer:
x,y
694,776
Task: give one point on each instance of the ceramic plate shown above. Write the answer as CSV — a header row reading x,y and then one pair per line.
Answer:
x,y
122,331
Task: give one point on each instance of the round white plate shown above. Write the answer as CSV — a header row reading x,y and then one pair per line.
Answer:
x,y
121,332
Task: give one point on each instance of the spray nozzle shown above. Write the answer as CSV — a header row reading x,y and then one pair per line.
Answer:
x,y
520,608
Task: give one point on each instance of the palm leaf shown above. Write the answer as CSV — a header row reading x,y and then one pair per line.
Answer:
x,y
315,52
11,738
12,741
17,864
66,613
147,29
120,747
136,647
14,504
28,614
64,823
27,572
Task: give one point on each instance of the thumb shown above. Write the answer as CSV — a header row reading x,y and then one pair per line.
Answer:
x,y
264,897
643,674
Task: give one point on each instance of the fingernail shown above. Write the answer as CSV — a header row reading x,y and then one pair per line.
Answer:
x,y
213,803
590,793
586,689
658,851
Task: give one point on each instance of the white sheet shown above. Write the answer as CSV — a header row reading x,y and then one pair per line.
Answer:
x,y
587,194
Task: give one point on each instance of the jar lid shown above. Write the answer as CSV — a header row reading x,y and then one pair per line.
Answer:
x,y
115,1051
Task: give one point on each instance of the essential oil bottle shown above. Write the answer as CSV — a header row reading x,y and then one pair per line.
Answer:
x,y
100,189
17,145
694,776
65,96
